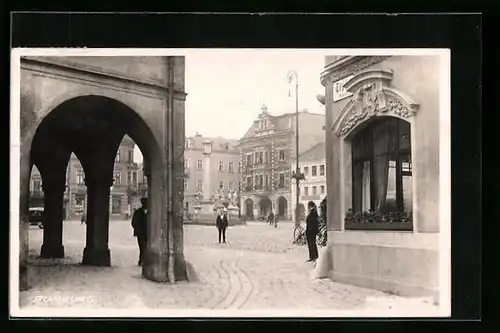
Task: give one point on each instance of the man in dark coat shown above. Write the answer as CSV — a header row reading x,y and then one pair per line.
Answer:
x,y
270,218
222,223
312,228
139,223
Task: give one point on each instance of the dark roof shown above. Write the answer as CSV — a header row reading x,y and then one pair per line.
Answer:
x,y
315,153
218,143
280,122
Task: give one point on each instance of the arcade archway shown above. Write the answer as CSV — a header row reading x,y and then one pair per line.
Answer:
x,y
92,127
249,208
282,207
265,206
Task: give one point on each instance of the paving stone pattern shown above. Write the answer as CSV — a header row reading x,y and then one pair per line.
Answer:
x,y
258,268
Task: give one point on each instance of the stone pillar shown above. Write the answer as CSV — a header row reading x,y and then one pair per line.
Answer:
x,y
52,246
96,252
25,170
110,198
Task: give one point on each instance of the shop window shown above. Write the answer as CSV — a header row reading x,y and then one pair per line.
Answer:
x,y
382,176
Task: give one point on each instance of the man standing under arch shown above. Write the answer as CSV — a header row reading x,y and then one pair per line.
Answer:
x,y
139,223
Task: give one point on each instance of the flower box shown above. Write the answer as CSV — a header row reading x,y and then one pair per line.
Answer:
x,y
370,220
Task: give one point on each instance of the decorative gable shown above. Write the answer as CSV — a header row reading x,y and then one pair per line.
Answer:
x,y
371,97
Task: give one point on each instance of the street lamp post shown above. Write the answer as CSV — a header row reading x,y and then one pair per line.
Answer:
x,y
291,75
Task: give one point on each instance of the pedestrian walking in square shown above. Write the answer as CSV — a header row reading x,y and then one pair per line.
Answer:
x,y
139,223
270,219
222,223
312,228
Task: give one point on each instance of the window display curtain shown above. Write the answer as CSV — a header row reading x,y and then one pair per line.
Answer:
x,y
366,195
383,137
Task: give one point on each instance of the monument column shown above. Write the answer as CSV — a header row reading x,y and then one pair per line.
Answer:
x,y
96,252
207,153
53,189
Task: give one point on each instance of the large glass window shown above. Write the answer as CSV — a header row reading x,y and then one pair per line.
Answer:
x,y
381,167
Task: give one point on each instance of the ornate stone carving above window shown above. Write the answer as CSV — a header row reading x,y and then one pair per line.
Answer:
x,y
372,97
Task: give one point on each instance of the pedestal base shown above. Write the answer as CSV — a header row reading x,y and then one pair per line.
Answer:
x,y
52,251
96,257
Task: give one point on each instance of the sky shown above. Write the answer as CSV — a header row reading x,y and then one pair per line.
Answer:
x,y
227,88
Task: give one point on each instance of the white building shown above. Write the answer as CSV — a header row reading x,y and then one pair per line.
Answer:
x,y
313,188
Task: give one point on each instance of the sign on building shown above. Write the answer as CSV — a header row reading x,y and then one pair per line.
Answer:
x,y
339,91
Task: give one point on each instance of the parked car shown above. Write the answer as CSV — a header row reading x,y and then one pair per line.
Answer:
x,y
36,216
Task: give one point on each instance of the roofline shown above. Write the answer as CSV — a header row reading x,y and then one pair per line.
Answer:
x,y
319,143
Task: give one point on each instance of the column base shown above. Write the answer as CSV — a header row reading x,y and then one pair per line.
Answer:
x,y
52,251
156,267
96,257
180,270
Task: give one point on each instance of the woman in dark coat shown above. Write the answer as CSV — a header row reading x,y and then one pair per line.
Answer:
x,y
312,228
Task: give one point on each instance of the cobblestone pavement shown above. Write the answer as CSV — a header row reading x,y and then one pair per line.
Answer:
x,y
258,268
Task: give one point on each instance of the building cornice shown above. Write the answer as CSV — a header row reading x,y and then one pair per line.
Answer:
x,y
95,72
347,66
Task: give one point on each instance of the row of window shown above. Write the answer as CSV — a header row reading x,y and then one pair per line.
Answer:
x,y
263,157
199,185
263,182
314,170
199,165
130,156
314,190
117,177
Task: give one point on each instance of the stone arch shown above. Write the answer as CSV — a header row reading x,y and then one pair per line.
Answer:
x,y
282,207
248,205
372,97
98,111
265,206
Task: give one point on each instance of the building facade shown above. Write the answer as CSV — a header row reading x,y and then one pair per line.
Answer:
x,y
312,164
224,169
124,196
266,154
382,157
